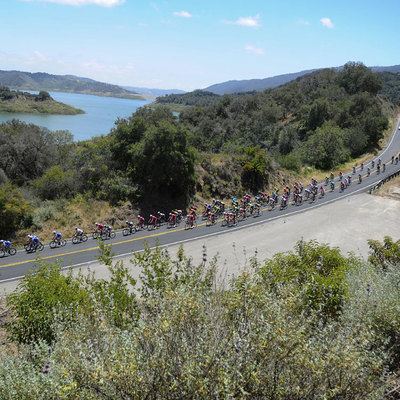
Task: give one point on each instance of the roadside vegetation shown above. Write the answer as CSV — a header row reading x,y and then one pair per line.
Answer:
x,y
307,324
155,160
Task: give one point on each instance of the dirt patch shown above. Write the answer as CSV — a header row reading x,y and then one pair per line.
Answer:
x,y
6,346
390,190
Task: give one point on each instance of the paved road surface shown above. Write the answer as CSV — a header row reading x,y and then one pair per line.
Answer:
x,y
82,253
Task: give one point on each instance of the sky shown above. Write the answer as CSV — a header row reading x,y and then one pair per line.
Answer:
x,y
193,44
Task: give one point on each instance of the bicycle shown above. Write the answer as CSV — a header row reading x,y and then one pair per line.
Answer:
x,y
79,238
32,247
190,223
11,251
108,235
211,220
57,243
129,231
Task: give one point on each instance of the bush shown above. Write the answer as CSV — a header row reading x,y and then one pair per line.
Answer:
x,y
195,339
14,209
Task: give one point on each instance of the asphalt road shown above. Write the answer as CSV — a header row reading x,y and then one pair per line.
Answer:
x,y
14,267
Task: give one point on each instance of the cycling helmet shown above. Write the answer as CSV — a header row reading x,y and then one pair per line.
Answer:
x,y
151,215
76,228
54,232
126,221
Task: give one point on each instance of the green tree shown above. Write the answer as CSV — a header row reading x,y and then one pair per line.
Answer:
x,y
384,254
325,148
356,77
164,166
14,209
55,183
255,165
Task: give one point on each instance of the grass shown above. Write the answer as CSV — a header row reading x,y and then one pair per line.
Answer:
x,y
34,107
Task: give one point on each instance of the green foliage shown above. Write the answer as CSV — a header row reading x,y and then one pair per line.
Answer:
x,y
195,98
195,339
44,296
29,150
386,254
164,165
55,183
325,148
356,78
391,86
255,166
290,162
14,209
317,272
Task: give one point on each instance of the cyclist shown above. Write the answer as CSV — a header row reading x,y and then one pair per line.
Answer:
x,y
373,163
362,166
172,219
78,233
191,220
140,222
332,185
107,230
57,237
161,216
211,218
332,176
383,167
342,184
153,220
5,244
232,218
378,168
354,170
359,178
340,175
368,171
99,228
129,225
322,191
326,181
33,240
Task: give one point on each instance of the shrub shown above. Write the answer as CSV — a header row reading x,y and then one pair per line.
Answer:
x,y
14,209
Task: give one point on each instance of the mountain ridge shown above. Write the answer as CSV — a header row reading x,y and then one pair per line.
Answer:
x,y
62,83
248,85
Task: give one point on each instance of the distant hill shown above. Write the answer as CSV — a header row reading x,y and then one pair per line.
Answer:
x,y
259,85
153,92
62,83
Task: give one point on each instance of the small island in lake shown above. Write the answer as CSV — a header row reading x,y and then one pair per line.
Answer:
x,y
14,101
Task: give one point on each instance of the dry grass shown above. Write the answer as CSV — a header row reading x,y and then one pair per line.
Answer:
x,y
390,190
6,347
81,213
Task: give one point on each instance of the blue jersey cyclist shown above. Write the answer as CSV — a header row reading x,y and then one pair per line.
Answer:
x,y
5,244
57,236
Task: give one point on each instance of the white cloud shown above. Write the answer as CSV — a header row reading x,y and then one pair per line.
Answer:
x,y
327,23
252,22
303,22
255,50
102,3
183,14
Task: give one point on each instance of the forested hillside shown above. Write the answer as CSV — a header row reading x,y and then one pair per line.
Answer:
x,y
157,160
320,119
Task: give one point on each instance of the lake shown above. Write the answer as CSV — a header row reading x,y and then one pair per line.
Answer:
x,y
101,114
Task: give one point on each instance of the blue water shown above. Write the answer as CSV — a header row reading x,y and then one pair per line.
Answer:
x,y
101,114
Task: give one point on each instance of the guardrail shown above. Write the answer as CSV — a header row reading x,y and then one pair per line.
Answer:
x,y
383,181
